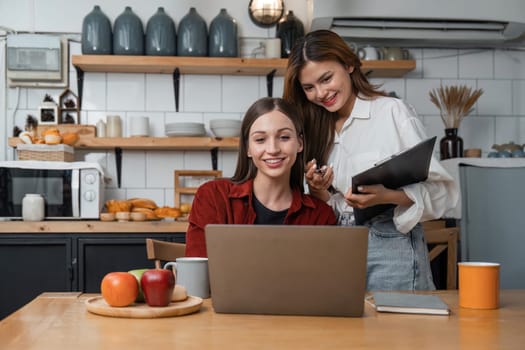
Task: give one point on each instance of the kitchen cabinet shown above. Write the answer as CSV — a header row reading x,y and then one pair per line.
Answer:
x,y
32,263
177,65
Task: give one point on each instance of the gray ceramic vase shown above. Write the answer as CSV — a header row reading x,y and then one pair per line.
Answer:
x,y
96,33
223,39
128,34
289,29
161,39
192,38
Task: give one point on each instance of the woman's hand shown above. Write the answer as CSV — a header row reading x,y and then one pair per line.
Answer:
x,y
371,195
319,179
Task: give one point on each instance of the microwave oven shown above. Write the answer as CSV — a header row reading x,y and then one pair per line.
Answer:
x,y
71,190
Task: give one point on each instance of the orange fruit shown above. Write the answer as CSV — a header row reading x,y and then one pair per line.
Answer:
x,y
119,288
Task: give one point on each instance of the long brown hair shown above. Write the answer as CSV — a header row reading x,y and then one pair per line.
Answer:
x,y
319,124
245,168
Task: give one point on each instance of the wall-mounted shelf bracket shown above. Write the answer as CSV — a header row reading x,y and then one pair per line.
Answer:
x,y
214,157
118,162
176,87
80,86
269,82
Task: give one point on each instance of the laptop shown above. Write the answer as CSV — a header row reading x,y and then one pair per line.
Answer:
x,y
287,269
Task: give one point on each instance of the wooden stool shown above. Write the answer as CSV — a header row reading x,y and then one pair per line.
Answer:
x,y
179,190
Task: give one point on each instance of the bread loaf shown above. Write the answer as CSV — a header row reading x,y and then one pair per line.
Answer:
x,y
150,214
167,212
142,203
114,206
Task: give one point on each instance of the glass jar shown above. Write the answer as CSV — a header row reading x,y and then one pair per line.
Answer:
x,y
33,207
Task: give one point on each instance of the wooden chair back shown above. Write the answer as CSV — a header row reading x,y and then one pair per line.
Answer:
x,y
162,251
443,238
180,189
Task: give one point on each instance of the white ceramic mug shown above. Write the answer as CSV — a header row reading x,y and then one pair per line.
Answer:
x,y
367,53
139,126
272,48
192,273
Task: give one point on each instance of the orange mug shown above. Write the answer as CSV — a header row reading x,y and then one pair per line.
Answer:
x,y
478,285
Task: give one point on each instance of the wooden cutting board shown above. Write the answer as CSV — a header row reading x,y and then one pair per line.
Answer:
x,y
98,305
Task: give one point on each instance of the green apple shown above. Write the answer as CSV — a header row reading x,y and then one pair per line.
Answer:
x,y
138,275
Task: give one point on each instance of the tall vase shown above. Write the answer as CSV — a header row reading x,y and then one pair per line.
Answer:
x,y
192,38
289,29
128,34
161,36
223,36
451,146
96,33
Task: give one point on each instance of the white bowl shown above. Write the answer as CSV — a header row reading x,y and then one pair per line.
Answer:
x,y
225,123
226,132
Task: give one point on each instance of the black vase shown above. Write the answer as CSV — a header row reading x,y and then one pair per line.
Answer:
x,y
451,146
289,29
223,36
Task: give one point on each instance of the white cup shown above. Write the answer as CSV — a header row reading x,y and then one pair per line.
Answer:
x,y
139,126
368,53
192,273
272,48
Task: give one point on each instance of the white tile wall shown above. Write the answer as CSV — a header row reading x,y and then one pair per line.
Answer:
x,y
498,117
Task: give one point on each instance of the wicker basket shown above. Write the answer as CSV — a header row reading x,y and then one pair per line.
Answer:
x,y
62,153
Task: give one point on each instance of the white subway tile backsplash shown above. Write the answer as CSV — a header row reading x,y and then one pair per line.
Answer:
x,y
477,132
477,64
94,96
160,167
507,129
496,98
417,94
238,92
498,117
518,97
126,91
17,98
160,92
441,63
508,64
202,93
134,163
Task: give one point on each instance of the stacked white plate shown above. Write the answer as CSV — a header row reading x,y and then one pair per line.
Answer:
x,y
225,127
185,129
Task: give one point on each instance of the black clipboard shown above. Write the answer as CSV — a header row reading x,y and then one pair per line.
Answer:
x,y
404,168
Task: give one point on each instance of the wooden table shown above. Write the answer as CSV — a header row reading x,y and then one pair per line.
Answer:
x,y
60,321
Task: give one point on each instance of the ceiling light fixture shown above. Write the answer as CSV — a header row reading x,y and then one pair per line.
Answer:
x,y
266,13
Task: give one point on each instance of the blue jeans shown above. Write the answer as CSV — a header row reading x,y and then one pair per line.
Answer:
x,y
397,261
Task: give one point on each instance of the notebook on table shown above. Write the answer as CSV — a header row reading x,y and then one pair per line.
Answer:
x,y
287,269
400,169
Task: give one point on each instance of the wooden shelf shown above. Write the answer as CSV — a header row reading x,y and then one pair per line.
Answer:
x,y
217,65
152,143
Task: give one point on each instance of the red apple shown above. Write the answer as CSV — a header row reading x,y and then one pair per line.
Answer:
x,y
157,286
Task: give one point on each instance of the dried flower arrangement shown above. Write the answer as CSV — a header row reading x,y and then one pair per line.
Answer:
x,y
454,103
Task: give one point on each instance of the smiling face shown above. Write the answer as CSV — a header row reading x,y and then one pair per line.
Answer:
x,y
327,84
273,145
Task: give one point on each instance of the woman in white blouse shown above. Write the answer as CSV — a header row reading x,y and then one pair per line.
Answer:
x,y
349,126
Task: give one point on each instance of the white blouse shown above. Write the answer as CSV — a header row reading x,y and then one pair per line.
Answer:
x,y
375,130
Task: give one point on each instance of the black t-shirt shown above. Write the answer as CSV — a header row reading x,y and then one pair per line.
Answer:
x,y
266,216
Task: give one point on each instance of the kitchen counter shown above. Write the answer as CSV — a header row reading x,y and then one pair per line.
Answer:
x,y
61,321
91,226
